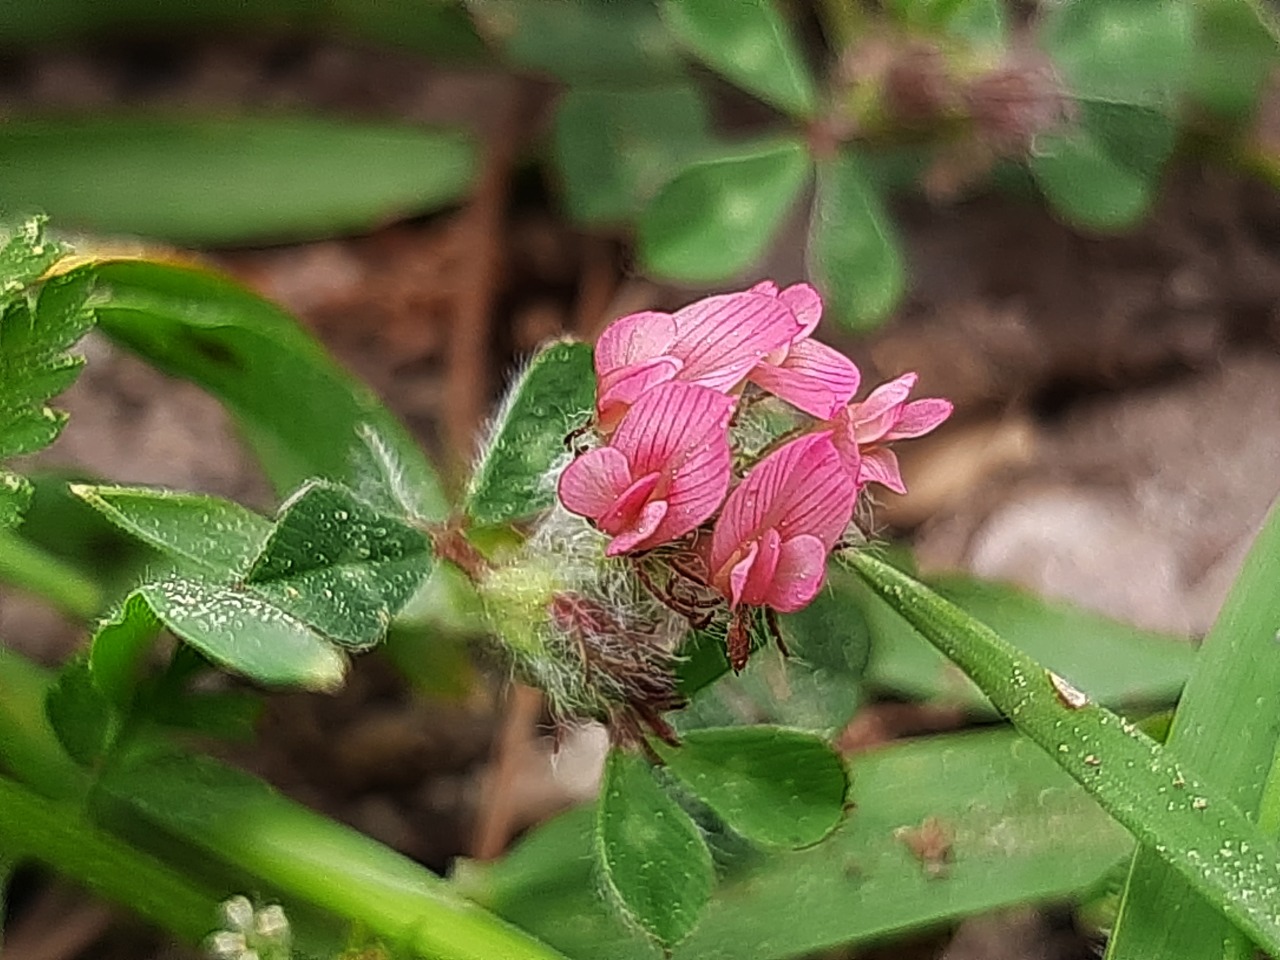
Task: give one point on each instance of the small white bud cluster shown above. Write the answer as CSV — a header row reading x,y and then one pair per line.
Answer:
x,y
251,934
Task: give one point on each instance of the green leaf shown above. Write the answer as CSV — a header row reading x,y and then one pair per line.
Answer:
x,y
981,22
1193,827
223,181
554,395
716,217
1121,666
1104,172
302,414
1137,52
1022,833
615,41
119,650
37,328
1236,50
208,533
854,253
79,714
817,687
654,860
337,564
751,43
1227,726
616,148
772,785
245,633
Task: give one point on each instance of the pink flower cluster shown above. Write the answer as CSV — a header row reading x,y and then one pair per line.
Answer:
x,y
668,386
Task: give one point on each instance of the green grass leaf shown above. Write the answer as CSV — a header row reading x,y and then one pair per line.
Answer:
x,y
39,323
1021,831
229,181
616,148
340,566
772,785
208,533
1227,726
303,416
854,254
1121,666
655,862
751,43
554,395
1152,791
716,217
1235,51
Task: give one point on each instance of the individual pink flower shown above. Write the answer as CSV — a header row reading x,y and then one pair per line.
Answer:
x,y
861,431
770,544
805,373
713,343
664,472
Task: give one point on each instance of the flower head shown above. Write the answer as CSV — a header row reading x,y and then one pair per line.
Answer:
x,y
714,343
861,431
807,374
770,544
664,472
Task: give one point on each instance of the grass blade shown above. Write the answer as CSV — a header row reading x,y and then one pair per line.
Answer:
x,y
1196,830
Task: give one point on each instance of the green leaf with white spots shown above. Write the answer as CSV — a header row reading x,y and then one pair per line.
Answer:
x,y
39,323
553,396
772,785
245,633
654,860
214,535
750,42
716,217
339,565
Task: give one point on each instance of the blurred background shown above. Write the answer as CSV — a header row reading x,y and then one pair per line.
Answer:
x,y
434,189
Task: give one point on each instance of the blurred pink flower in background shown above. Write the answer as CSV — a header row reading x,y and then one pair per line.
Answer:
x,y
664,472
861,431
770,544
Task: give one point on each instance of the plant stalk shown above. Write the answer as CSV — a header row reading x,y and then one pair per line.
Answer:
x,y
27,567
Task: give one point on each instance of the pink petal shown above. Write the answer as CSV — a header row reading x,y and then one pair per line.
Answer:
x,y
845,440
880,465
623,514
622,387
805,303
812,377
765,288
669,424
721,338
642,535
877,415
698,486
752,577
919,417
592,484
633,339
800,573
800,488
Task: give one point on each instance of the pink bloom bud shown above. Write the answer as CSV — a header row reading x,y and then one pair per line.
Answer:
x,y
805,373
770,544
713,343
664,472
861,431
